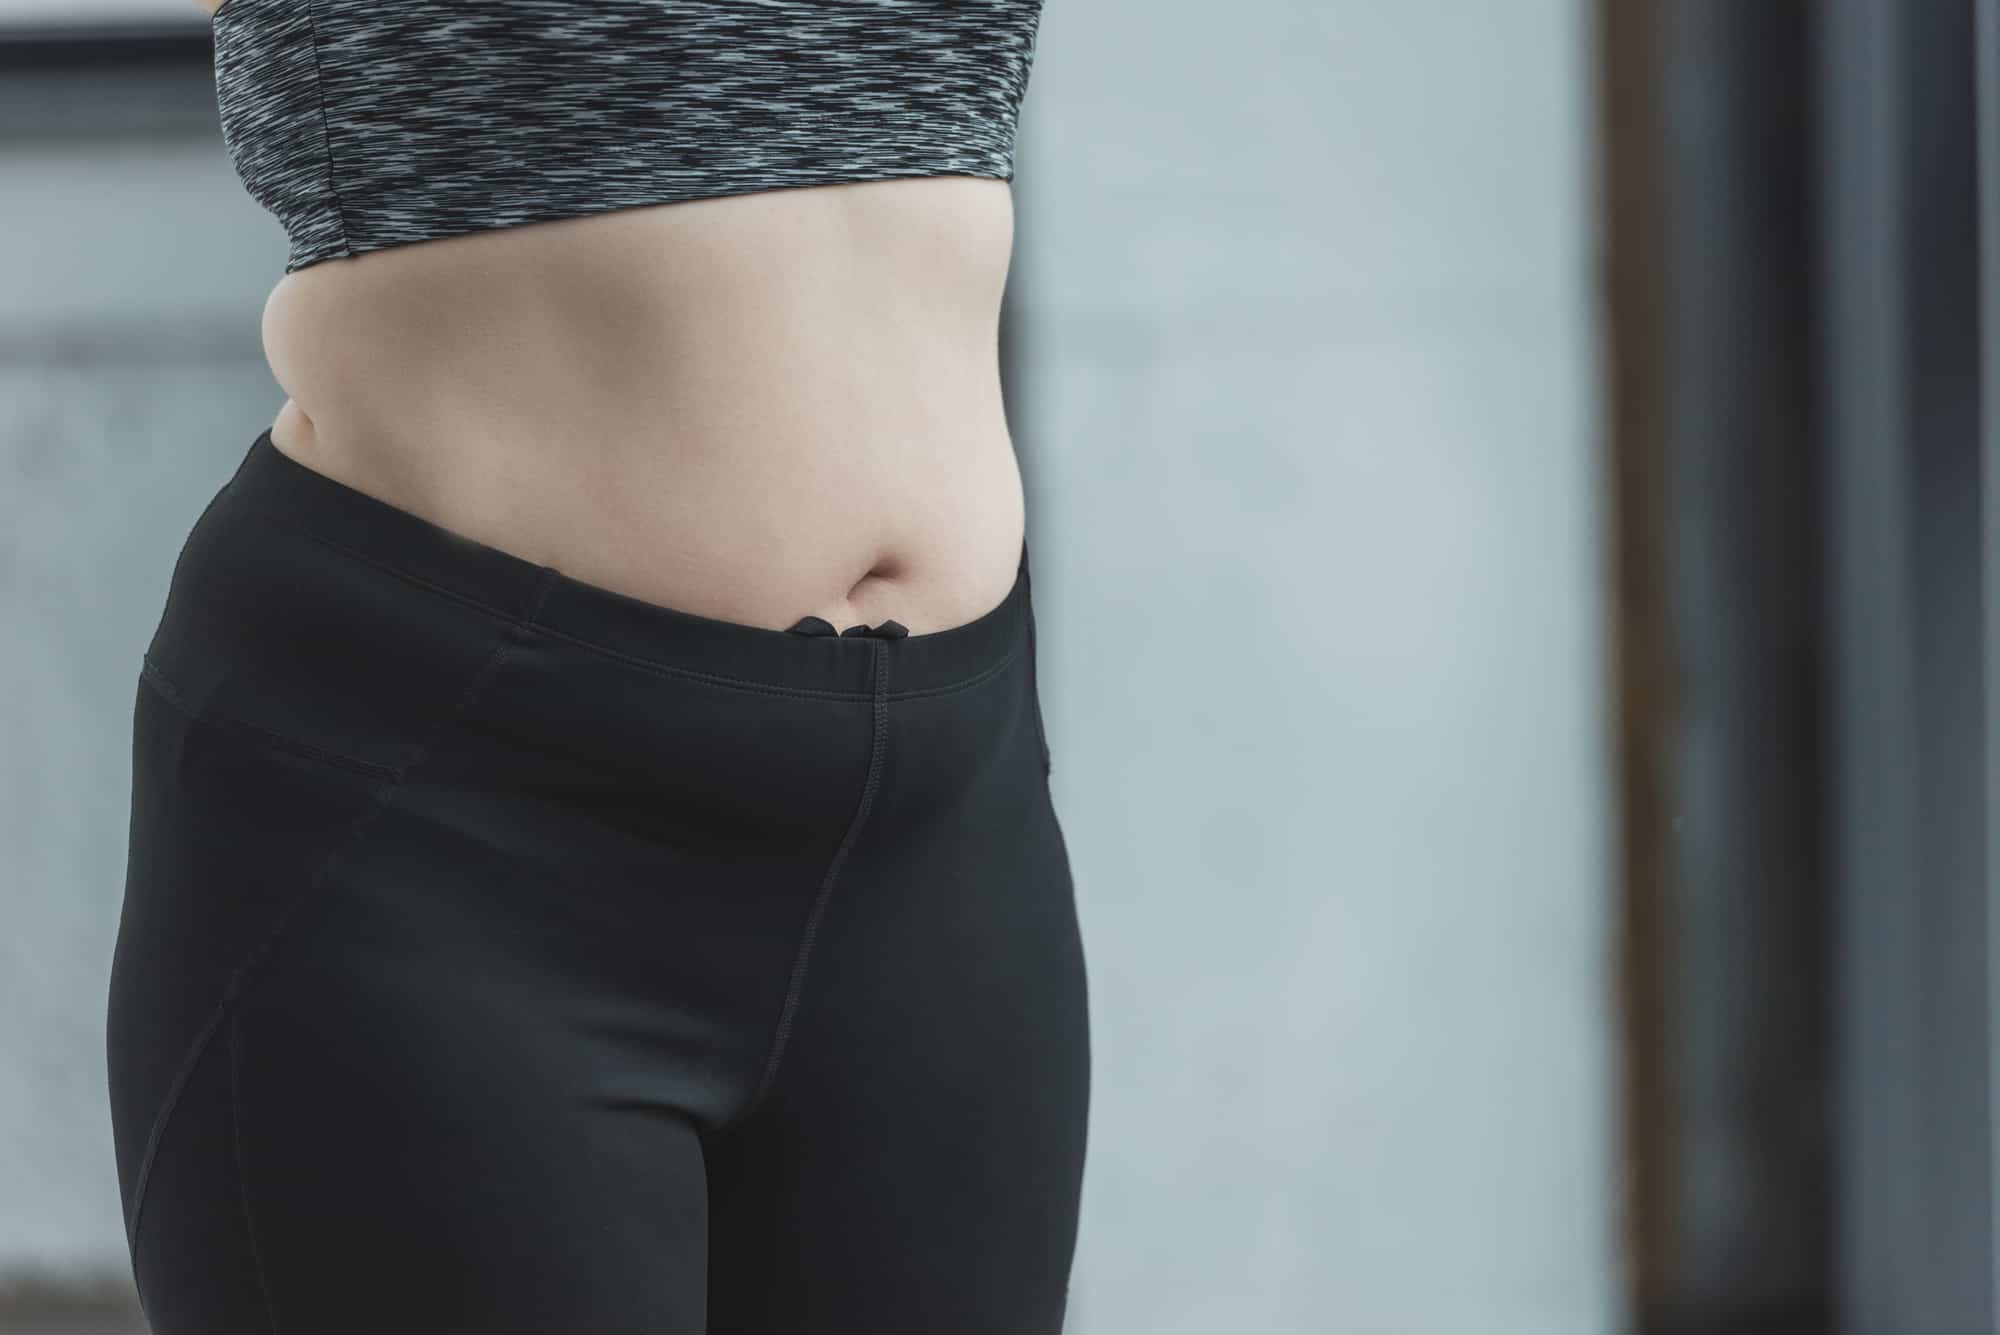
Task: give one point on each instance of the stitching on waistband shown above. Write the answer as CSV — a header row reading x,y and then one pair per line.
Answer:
x,y
951,688
526,622
768,688
378,563
694,674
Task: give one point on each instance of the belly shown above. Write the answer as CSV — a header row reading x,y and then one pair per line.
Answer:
x,y
754,408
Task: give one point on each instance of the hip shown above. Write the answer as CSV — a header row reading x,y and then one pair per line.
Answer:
x,y
457,873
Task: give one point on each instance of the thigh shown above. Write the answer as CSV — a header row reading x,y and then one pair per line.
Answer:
x,y
351,1093
915,1166
430,1156
308,1185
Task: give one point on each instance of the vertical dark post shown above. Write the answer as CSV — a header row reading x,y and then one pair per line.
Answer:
x,y
1630,190
1916,1136
1712,243
1750,1045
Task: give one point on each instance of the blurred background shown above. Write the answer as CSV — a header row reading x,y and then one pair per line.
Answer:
x,y
1512,487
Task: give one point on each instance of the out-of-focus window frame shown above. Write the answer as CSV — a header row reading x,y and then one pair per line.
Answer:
x,y
1916,960
60,81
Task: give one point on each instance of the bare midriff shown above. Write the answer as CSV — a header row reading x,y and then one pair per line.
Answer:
x,y
754,408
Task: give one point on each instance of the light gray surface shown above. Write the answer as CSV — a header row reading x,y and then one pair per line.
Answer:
x,y
94,11
1312,414
1309,404
132,279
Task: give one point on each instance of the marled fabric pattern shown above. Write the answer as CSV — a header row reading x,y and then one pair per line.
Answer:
x,y
364,124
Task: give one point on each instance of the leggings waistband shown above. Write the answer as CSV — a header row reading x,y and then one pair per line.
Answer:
x,y
280,489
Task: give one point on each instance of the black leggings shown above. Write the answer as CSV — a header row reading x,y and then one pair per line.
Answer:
x,y
501,953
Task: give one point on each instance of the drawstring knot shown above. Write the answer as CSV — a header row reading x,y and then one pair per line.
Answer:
x,y
811,625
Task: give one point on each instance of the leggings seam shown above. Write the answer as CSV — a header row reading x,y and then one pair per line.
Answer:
x,y
164,1115
243,1167
383,796
152,673
719,679
877,751
326,134
428,586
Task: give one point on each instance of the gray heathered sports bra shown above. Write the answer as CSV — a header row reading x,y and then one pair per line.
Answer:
x,y
364,124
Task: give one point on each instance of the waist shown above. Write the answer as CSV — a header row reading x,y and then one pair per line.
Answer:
x,y
755,407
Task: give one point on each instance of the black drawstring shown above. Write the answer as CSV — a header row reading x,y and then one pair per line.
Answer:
x,y
888,630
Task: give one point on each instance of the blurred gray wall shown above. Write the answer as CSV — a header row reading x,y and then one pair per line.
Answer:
x,y
1307,400
1311,410
132,280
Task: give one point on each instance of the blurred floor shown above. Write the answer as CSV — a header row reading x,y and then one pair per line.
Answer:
x,y
88,1305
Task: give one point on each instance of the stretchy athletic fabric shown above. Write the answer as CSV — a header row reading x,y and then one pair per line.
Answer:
x,y
504,954
370,123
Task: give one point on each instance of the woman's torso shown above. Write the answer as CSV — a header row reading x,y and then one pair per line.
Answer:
x,y
754,408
